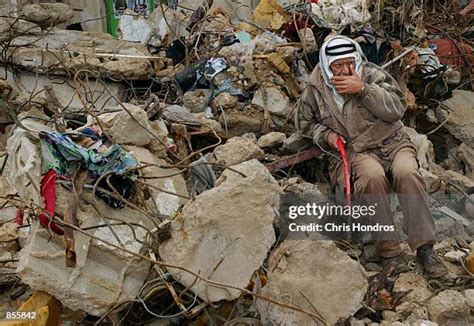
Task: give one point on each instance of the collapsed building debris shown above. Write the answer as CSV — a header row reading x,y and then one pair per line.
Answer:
x,y
47,14
147,177
313,273
230,249
456,112
448,306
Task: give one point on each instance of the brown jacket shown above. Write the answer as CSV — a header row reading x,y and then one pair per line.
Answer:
x,y
368,121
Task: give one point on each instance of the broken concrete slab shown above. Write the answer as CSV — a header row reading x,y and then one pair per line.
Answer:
x,y
225,233
98,53
447,227
272,99
159,147
68,96
466,154
8,212
163,187
197,101
15,26
295,143
448,306
103,275
469,206
455,256
208,124
5,94
307,39
130,126
101,278
390,316
416,285
457,179
47,14
135,27
169,27
9,235
460,120
271,139
180,115
224,101
237,123
312,274
469,295
418,314
127,69
251,136
317,190
432,181
237,150
8,232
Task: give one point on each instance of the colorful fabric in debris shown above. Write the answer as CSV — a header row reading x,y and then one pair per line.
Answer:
x,y
63,155
48,193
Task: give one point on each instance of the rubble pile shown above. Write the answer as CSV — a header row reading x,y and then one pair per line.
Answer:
x,y
144,178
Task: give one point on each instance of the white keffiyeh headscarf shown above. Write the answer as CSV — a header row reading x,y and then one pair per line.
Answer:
x,y
339,47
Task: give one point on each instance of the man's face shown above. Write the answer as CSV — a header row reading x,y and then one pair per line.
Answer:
x,y
342,67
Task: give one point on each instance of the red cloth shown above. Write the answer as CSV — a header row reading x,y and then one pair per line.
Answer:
x,y
48,192
347,175
449,54
290,30
19,216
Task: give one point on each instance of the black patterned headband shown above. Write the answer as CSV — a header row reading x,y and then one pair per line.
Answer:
x,y
330,49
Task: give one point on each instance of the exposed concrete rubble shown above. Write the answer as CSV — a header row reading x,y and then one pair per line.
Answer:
x,y
47,14
95,52
101,278
16,25
271,139
148,175
225,233
416,284
461,121
312,273
273,100
130,126
103,275
469,295
162,189
9,235
448,306
35,91
237,150
197,101
466,154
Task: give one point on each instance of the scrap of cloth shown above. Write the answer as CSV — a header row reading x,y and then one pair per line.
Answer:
x,y
63,155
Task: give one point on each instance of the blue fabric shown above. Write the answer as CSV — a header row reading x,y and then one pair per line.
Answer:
x,y
63,155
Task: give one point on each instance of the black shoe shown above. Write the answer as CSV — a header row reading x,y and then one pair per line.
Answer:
x,y
430,261
397,262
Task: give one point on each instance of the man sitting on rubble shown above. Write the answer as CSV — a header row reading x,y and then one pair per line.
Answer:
x,y
362,104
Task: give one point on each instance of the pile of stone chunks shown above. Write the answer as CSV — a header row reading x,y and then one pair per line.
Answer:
x,y
225,233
